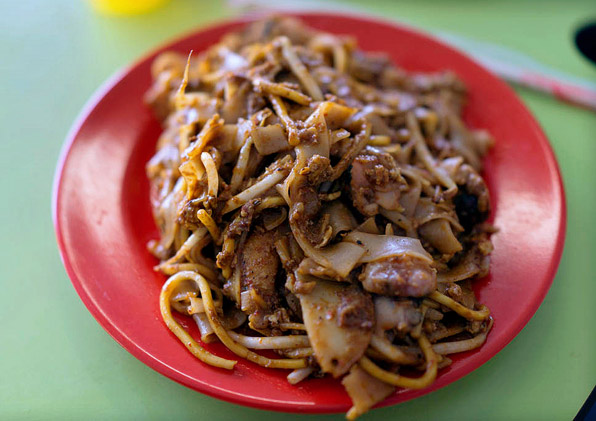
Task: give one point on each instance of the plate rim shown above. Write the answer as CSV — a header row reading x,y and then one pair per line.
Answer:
x,y
222,393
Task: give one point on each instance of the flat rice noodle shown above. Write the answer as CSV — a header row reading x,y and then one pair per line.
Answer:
x,y
364,390
226,138
269,139
306,150
340,217
339,134
311,268
400,220
369,226
388,199
340,257
336,347
321,143
235,98
202,106
391,314
408,200
244,129
451,165
379,127
427,211
383,246
466,269
168,212
232,287
439,234
336,115
272,218
207,333
231,60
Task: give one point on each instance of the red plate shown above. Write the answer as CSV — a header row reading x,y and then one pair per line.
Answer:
x,y
103,221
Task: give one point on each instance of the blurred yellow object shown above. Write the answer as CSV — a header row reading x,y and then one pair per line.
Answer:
x,y
126,7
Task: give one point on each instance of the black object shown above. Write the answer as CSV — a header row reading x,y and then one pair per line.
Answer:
x,y
466,207
588,410
585,40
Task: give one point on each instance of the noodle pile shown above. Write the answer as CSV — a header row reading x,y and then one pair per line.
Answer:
x,y
317,201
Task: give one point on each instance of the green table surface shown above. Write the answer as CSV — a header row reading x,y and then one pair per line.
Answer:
x,y
56,362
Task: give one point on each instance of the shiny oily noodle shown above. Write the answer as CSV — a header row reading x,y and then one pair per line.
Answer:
x,y
319,202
